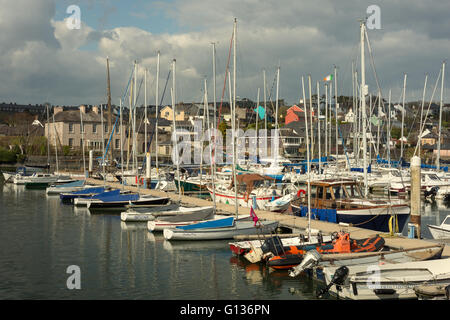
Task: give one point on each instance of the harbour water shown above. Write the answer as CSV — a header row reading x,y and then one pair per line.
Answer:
x,y
40,238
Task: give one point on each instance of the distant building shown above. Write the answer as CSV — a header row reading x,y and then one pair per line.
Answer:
x,y
67,126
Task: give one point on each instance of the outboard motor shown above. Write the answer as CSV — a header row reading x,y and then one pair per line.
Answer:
x,y
311,258
273,245
338,279
431,192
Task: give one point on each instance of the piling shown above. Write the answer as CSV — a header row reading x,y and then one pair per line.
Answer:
x,y
91,162
415,194
147,180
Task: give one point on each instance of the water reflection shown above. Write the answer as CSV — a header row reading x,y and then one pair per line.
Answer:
x,y
40,237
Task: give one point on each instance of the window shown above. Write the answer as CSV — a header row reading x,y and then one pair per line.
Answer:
x,y
117,144
106,127
94,128
70,142
70,127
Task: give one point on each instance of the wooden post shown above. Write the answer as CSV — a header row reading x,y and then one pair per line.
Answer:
x,y
415,194
91,162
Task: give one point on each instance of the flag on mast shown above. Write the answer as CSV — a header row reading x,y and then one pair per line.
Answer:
x,y
261,112
328,77
253,215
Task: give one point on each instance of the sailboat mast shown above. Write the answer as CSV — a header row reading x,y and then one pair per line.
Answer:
x,y
308,163
336,105
121,138
148,168
109,110
438,156
48,137
354,112
329,127
175,141
276,117
388,132
212,139
257,115
213,173
234,116
156,119
310,115
318,126
265,98
403,117
364,91
326,120
214,83
82,141
54,137
134,117
421,113
103,145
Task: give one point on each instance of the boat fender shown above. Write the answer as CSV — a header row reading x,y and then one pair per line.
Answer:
x,y
246,196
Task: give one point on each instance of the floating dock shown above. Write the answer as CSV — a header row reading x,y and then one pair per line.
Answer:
x,y
288,221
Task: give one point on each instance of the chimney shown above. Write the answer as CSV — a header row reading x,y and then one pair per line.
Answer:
x,y
95,109
58,109
83,109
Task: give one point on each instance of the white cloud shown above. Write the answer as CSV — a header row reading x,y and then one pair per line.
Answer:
x,y
42,57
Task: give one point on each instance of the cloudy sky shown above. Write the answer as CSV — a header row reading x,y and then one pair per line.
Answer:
x,y
41,59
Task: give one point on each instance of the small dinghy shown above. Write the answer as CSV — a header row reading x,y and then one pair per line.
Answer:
x,y
66,187
171,210
204,214
280,204
389,281
122,200
256,250
225,228
442,231
289,257
86,192
83,201
433,292
317,262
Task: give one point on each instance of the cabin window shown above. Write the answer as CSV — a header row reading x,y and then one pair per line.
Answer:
x,y
352,191
319,192
339,192
447,221
328,194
